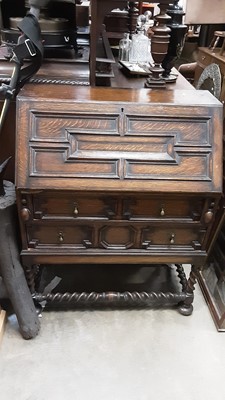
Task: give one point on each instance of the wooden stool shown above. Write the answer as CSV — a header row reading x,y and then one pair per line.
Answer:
x,y
214,42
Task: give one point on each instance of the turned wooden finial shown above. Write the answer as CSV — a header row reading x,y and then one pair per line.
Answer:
x,y
159,45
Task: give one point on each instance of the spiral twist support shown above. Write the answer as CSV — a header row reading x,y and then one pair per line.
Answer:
x,y
186,307
182,276
33,275
112,298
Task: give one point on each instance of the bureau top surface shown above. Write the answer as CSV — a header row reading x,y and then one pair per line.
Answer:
x,y
102,94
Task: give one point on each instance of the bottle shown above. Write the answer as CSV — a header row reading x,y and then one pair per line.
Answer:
x,y
139,48
124,48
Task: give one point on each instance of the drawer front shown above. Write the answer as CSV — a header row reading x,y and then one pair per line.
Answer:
x,y
173,237
207,57
115,235
204,58
163,208
60,236
64,205
71,206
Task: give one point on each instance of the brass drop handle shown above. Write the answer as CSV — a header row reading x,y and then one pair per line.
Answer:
x,y
208,216
61,237
172,238
25,214
75,211
162,211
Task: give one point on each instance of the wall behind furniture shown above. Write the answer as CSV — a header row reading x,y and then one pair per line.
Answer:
x,y
204,11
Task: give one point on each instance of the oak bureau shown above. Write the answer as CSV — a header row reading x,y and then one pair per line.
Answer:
x,y
119,176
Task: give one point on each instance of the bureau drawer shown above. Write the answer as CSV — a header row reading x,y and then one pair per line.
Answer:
x,y
163,207
114,236
66,206
139,236
207,57
204,59
191,236
64,236
73,206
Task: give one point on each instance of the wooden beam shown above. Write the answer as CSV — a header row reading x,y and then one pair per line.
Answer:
x,y
2,323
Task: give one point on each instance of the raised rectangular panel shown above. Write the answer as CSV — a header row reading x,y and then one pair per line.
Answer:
x,y
188,167
130,157
53,162
55,128
184,131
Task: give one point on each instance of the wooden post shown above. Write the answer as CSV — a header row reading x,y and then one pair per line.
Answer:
x,y
2,323
12,272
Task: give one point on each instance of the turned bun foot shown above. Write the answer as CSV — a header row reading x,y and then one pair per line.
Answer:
x,y
185,309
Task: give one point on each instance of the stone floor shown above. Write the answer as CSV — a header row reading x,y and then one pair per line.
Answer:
x,y
115,355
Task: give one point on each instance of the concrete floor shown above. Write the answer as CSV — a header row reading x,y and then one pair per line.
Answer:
x,y
116,355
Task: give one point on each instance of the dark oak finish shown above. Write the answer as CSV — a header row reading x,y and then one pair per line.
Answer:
x,y
118,176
